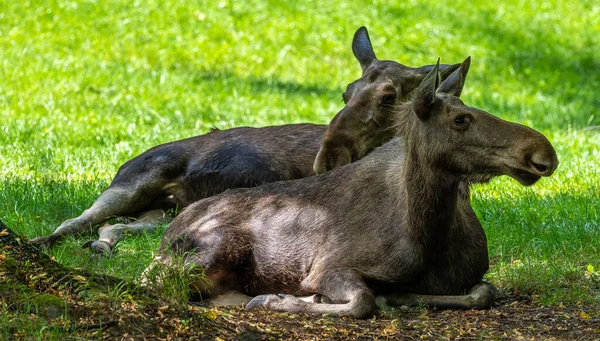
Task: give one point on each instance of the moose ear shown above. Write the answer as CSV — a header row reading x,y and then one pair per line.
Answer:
x,y
362,48
453,85
425,94
447,70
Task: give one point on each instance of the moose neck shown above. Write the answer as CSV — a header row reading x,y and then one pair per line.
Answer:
x,y
432,197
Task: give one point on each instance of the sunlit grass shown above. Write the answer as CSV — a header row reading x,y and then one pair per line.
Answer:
x,y
86,85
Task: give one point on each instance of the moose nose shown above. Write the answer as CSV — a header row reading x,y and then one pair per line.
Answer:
x,y
544,162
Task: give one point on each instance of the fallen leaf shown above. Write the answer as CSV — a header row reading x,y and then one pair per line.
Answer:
x,y
584,315
211,314
79,278
390,329
3,233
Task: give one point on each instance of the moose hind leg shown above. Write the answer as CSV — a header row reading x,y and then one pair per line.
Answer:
x,y
113,202
110,235
481,296
347,290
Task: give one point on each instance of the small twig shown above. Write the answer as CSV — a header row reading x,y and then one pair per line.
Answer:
x,y
101,325
57,283
222,326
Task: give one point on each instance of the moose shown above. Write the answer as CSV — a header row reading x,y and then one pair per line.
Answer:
x,y
175,174
397,225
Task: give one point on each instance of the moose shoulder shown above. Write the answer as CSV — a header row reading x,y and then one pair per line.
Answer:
x,y
397,223
178,173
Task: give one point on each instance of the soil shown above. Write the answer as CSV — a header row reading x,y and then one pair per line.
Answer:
x,y
79,304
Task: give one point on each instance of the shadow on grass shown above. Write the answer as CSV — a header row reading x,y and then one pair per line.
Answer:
x,y
269,85
559,70
533,225
542,245
35,207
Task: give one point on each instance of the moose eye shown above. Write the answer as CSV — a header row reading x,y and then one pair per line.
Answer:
x,y
388,99
462,122
459,120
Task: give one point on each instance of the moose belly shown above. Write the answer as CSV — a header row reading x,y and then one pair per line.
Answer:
x,y
448,279
270,276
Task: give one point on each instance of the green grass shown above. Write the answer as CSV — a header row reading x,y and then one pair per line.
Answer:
x,y
87,85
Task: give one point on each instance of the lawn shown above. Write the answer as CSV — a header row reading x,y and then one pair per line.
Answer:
x,y
87,85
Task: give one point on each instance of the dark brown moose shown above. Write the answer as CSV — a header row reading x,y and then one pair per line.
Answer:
x,y
178,173
396,224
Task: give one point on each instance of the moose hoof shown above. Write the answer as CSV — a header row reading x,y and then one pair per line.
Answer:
x,y
42,240
262,301
483,295
101,248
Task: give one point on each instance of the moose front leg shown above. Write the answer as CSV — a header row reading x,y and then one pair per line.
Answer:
x,y
110,235
347,290
481,296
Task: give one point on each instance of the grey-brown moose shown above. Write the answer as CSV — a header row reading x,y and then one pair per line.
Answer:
x,y
396,224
